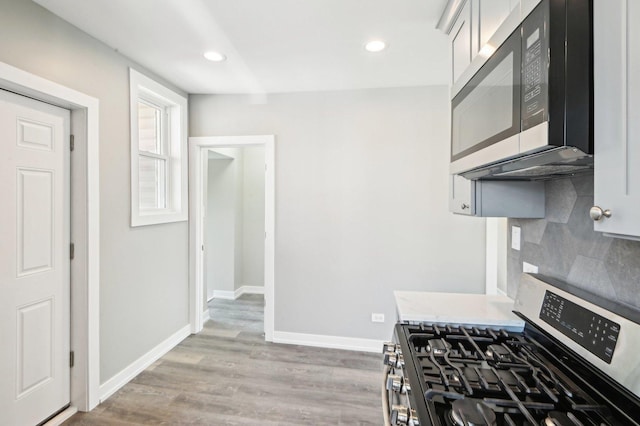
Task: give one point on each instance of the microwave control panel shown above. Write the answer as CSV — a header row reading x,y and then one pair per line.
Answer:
x,y
535,67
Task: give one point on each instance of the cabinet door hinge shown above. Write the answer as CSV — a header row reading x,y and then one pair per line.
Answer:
x,y
72,251
72,142
71,358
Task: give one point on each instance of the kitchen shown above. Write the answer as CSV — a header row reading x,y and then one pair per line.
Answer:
x,y
371,166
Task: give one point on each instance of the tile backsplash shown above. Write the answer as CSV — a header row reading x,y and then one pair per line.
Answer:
x,y
564,246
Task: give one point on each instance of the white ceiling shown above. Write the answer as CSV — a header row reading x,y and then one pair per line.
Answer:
x,y
271,45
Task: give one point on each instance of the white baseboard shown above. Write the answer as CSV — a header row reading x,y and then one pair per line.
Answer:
x,y
112,385
233,295
206,316
333,342
249,289
224,294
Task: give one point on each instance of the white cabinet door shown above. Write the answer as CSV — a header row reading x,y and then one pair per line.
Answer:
x,y
461,195
460,38
490,15
34,260
616,109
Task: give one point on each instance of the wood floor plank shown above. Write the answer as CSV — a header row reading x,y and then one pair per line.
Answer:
x,y
228,375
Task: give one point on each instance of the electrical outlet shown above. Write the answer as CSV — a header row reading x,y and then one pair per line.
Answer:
x,y
528,268
377,317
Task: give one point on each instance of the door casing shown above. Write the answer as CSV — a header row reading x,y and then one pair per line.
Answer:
x,y
85,225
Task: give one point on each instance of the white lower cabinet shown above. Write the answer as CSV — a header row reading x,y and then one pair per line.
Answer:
x,y
616,112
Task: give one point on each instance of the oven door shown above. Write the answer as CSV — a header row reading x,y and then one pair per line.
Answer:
x,y
485,114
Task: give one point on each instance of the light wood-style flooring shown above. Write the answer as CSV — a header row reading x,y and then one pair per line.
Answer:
x,y
228,375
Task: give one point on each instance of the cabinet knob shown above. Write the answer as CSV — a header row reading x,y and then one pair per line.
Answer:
x,y
464,206
597,213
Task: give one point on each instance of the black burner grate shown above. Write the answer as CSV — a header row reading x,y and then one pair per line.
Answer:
x,y
505,370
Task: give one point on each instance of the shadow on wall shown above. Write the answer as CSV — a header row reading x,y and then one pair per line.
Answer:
x,y
564,246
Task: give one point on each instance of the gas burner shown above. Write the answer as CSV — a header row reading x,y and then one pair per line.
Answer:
x,y
438,346
557,418
498,353
472,412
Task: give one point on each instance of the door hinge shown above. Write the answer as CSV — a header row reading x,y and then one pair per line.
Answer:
x,y
203,247
72,142
71,358
72,251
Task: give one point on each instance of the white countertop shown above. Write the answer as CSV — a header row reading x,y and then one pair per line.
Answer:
x,y
457,308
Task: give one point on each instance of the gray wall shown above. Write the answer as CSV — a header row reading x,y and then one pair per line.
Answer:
x,y
253,216
143,271
220,235
361,202
564,245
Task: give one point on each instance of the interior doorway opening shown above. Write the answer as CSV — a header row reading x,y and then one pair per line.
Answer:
x,y
199,152
234,222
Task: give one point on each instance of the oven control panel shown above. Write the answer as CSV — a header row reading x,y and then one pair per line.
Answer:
x,y
593,332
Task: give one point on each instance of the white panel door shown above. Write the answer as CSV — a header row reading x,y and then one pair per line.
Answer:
x,y
34,260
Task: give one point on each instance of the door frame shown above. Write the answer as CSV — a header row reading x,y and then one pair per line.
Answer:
x,y
85,225
198,151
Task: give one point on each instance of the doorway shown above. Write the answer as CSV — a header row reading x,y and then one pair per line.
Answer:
x,y
34,265
234,222
199,149
85,226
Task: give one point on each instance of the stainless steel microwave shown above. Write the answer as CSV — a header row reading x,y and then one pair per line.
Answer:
x,y
527,112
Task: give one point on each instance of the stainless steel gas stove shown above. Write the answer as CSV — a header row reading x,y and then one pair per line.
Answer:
x,y
575,363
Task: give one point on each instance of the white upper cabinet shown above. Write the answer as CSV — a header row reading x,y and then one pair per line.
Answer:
x,y
462,195
470,25
616,112
461,47
489,15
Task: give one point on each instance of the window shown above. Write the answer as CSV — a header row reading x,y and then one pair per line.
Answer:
x,y
158,153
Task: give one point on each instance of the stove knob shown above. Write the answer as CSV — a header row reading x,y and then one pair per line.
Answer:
x,y
394,382
399,415
389,347
400,361
413,418
407,386
391,359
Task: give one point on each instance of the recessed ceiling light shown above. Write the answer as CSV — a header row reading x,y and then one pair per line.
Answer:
x,y
375,46
215,56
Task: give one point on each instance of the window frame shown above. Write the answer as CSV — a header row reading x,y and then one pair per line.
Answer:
x,y
173,108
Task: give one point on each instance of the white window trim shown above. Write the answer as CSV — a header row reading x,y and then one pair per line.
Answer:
x,y
142,86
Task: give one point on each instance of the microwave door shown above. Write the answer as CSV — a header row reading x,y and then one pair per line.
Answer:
x,y
485,114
